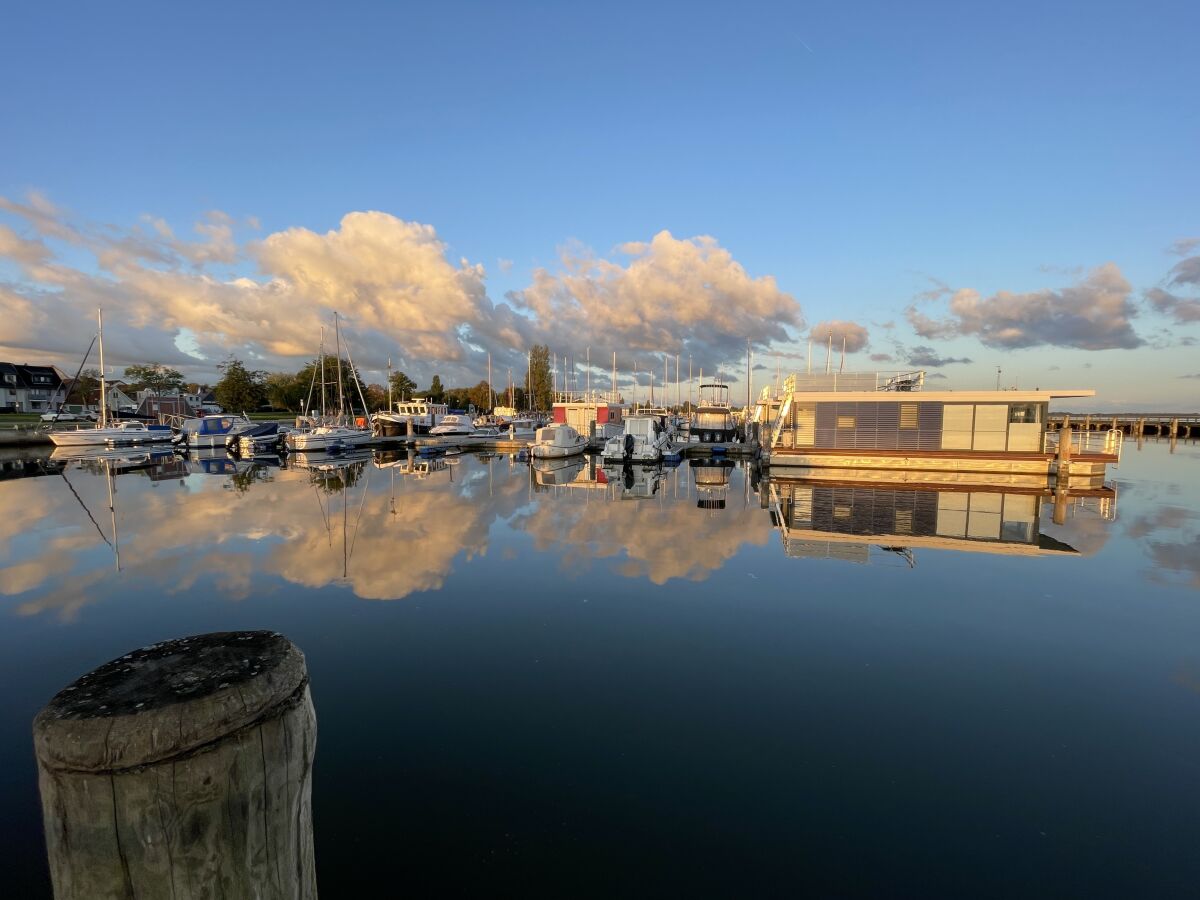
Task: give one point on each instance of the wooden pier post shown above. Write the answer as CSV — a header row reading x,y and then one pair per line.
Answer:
x,y
1063,472
1115,426
183,769
1087,422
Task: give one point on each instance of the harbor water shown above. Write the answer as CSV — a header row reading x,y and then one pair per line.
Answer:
x,y
572,681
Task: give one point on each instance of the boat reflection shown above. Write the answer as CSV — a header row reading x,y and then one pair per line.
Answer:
x,y
823,520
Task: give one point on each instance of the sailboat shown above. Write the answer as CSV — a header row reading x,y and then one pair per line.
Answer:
x,y
325,433
106,431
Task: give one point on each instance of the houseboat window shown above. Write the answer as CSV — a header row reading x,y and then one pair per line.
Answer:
x,y
845,421
908,415
1023,413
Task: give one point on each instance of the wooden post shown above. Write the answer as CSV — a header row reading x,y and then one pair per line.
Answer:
x,y
1114,424
183,769
1087,422
1063,473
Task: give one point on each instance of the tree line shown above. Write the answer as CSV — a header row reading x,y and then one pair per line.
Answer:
x,y
316,387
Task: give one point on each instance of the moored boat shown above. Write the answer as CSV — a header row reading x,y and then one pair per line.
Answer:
x,y
644,439
210,431
556,441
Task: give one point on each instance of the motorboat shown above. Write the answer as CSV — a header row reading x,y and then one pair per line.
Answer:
x,y
115,433
328,437
263,438
416,416
210,431
455,425
555,441
644,439
713,421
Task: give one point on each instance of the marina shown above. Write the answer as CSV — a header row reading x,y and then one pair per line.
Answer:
x,y
389,567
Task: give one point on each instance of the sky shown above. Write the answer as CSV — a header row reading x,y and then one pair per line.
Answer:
x,y
945,186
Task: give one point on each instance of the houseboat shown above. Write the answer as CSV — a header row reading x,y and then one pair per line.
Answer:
x,y
416,416
856,522
888,423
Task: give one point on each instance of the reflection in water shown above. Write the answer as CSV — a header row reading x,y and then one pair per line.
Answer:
x,y
317,519
844,521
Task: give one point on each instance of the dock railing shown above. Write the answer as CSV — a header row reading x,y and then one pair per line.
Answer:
x,y
1108,442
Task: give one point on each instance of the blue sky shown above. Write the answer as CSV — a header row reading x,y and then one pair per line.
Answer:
x,y
852,152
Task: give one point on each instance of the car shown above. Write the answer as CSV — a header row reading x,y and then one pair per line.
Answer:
x,y
60,417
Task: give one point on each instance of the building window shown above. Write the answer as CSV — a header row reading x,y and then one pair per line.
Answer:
x,y
908,415
845,421
1023,413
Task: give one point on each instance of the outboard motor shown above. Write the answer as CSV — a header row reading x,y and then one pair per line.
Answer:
x,y
628,446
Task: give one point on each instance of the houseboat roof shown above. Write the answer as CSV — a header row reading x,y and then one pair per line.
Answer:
x,y
1035,396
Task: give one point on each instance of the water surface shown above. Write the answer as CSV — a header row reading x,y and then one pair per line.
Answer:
x,y
693,682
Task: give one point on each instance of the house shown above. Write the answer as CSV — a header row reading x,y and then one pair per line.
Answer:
x,y
152,407
30,389
116,397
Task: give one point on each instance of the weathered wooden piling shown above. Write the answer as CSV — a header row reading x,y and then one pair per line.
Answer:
x,y
183,769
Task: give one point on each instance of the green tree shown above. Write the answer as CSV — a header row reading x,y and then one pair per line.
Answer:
x,y
480,395
376,397
155,377
437,393
285,391
310,379
538,382
402,386
86,388
240,389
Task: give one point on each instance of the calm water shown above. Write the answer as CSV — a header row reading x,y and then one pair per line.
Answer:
x,y
647,688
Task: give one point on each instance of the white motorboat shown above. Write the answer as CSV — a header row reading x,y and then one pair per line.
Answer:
x,y
555,441
406,417
328,437
455,425
644,439
210,431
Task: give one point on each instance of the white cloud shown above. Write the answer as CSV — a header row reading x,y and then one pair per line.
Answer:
x,y
856,336
1093,314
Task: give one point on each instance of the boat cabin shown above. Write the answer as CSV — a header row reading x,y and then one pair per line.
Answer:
x,y
580,409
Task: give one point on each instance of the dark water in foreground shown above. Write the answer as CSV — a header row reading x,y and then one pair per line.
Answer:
x,y
535,690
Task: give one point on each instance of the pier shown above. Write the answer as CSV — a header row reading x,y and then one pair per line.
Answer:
x,y
1134,424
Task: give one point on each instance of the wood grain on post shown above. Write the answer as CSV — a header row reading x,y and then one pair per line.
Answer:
x,y
183,769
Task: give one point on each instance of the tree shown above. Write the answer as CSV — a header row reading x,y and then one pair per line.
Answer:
x,y
436,392
538,382
155,377
285,391
480,395
240,389
310,379
376,397
402,386
86,388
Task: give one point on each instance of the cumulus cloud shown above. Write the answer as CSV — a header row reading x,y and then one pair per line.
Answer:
x,y
926,357
684,295
1185,275
882,357
855,335
401,295
1093,314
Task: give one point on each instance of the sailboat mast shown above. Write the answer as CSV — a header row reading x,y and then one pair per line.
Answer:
x,y
322,355
491,395
103,387
337,338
